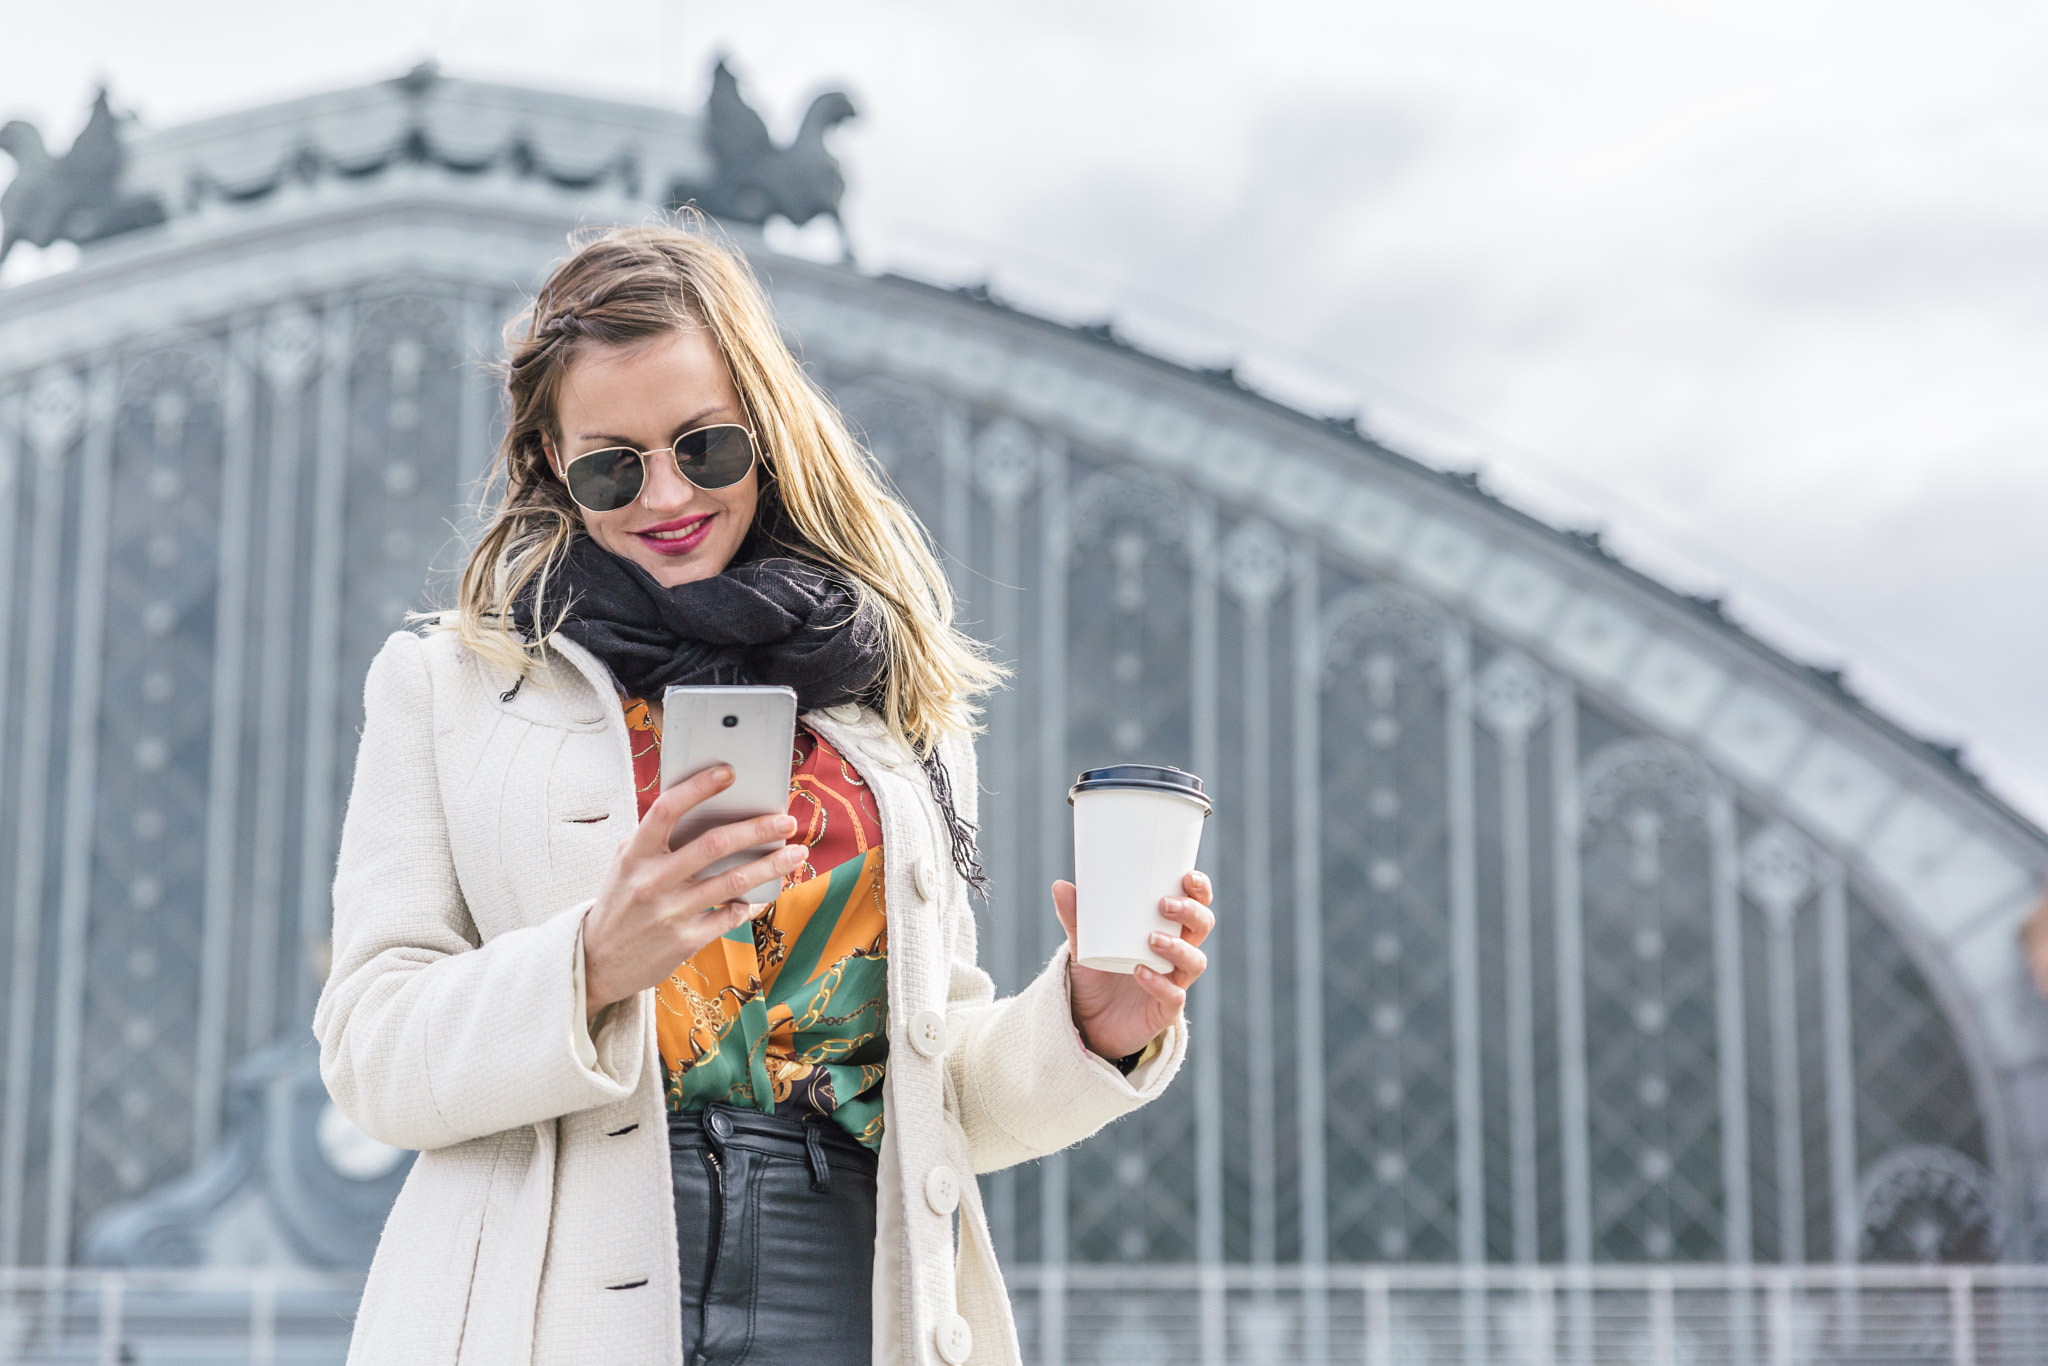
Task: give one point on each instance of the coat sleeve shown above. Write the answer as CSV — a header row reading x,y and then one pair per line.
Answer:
x,y
429,1036
1025,1082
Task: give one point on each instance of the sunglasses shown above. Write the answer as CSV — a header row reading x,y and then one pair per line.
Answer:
x,y
709,457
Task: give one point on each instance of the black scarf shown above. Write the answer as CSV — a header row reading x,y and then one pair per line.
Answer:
x,y
772,620
769,619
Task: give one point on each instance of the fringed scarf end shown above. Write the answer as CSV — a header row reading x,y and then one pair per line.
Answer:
x,y
966,857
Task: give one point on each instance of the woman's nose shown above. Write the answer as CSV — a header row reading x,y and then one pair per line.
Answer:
x,y
666,490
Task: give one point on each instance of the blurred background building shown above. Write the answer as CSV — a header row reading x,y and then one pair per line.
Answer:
x,y
1591,979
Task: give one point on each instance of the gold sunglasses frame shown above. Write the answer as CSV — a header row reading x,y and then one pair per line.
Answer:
x,y
753,460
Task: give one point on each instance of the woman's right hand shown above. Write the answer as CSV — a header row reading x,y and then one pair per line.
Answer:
x,y
652,914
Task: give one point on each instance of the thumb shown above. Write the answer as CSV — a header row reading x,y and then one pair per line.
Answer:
x,y
1064,901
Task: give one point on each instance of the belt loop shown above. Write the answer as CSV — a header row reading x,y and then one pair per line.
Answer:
x,y
814,1148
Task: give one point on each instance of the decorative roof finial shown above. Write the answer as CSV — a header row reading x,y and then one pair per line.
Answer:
x,y
75,197
420,79
755,178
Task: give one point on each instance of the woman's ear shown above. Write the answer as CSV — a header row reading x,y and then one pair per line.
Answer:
x,y
547,449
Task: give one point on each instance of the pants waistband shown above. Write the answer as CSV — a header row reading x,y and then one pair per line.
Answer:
x,y
817,1143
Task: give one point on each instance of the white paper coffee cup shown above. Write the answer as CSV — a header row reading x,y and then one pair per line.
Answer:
x,y
1137,828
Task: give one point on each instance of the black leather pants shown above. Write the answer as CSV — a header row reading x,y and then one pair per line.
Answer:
x,y
775,1234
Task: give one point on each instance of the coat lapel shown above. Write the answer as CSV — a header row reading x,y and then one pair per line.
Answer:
x,y
554,773
914,931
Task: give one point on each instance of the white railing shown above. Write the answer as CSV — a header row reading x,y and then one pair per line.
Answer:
x,y
192,1318
1223,1316
1533,1316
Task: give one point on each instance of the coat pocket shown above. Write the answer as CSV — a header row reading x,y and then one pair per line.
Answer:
x,y
416,1303
511,1247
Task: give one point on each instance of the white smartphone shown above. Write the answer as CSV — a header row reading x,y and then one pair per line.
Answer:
x,y
751,729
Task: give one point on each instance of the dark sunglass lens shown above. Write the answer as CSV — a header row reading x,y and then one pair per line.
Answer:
x,y
605,481
715,457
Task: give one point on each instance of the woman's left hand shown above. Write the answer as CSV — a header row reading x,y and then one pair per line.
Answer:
x,y
1118,1013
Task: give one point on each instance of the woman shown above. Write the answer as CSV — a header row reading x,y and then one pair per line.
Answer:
x,y
658,1124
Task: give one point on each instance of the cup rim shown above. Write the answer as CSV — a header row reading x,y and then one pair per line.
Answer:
x,y
1144,778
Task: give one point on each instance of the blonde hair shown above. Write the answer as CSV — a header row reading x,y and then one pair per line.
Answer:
x,y
822,499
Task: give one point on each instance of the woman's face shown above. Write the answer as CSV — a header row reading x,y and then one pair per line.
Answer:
x,y
644,395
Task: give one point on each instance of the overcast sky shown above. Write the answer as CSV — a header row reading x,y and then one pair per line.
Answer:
x,y
1759,289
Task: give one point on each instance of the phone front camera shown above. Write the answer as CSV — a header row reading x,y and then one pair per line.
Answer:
x,y
732,720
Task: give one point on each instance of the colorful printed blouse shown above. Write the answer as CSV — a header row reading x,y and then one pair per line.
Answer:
x,y
788,1013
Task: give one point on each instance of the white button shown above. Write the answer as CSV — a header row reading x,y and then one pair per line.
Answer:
x,y
942,1190
846,713
922,876
955,1339
928,1033
884,753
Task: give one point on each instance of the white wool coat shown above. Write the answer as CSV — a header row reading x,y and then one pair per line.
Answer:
x,y
538,1225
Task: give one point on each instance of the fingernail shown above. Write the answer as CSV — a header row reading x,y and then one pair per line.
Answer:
x,y
787,825
1159,941
721,774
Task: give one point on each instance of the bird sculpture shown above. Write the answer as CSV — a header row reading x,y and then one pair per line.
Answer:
x,y
75,197
756,178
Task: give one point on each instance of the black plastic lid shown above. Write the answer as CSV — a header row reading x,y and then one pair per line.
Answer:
x,y
1155,777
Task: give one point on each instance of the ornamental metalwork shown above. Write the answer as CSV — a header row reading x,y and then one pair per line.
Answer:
x,y
219,529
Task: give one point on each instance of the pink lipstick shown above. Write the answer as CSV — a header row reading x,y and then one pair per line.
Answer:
x,y
677,537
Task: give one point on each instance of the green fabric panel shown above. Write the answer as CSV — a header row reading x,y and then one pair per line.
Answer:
x,y
794,974
862,1117
860,993
721,1076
